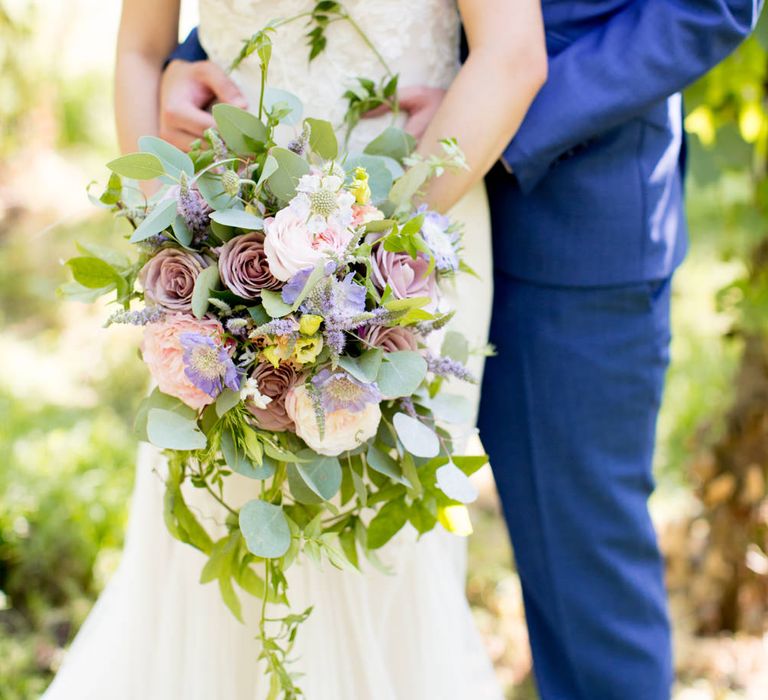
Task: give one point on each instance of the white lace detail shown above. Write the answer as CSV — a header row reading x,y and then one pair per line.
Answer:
x,y
418,38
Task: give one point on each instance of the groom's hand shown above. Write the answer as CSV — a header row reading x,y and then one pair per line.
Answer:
x,y
187,90
420,104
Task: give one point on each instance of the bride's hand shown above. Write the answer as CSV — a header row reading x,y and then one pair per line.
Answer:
x,y
187,89
420,104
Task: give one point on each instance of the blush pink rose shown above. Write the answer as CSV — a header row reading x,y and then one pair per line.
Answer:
x,y
405,276
169,278
290,246
164,355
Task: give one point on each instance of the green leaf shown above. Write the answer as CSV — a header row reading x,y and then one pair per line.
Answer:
x,y
421,517
114,190
401,373
159,219
174,161
366,367
273,304
322,138
265,529
387,523
206,282
284,180
212,189
170,430
322,474
157,399
181,231
299,489
408,185
455,484
138,166
455,346
274,96
419,439
230,598
384,464
451,408
392,142
220,560
93,273
349,547
237,460
226,401
238,218
269,167
241,130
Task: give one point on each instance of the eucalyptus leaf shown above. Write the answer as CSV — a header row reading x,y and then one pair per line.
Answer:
x,y
238,219
392,142
137,166
274,96
384,464
269,167
401,373
451,408
322,474
299,489
455,484
226,401
273,304
174,160
169,430
265,529
380,176
181,231
419,439
241,130
291,168
455,346
322,138
212,189
159,219
207,280
364,368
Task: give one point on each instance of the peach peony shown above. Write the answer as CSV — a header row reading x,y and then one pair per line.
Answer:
x,y
344,429
163,353
290,246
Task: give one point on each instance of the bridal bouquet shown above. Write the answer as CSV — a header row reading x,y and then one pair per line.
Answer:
x,y
294,328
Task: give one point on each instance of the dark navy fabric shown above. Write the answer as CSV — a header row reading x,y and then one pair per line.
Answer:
x,y
190,50
568,412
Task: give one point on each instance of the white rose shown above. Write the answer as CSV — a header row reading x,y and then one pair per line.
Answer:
x,y
344,430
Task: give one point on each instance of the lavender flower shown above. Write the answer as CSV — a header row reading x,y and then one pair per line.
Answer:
x,y
277,326
194,210
208,365
140,317
446,367
339,390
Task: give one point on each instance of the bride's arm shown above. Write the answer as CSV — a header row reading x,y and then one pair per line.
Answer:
x,y
486,103
148,33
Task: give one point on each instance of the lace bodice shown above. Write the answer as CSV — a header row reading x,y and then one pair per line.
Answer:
x,y
419,39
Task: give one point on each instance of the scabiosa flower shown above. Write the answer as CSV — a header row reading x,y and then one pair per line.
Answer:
x,y
339,390
322,201
208,365
441,239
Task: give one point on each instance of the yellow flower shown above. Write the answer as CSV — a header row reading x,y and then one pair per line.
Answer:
x,y
309,324
307,349
360,188
455,519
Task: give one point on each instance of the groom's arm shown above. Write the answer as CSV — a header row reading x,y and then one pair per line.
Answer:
x,y
613,74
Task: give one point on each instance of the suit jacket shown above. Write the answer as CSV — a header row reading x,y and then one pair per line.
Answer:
x,y
591,188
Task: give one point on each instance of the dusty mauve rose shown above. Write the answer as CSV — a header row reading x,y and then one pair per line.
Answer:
x,y
169,278
290,245
243,266
163,353
406,277
391,339
274,382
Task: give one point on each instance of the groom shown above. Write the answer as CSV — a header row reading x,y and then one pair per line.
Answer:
x,y
588,228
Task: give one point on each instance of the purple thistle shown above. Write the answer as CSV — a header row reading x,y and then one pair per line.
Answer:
x,y
446,367
336,341
208,365
340,390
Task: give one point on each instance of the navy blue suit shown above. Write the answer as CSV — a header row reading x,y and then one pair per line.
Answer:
x,y
588,228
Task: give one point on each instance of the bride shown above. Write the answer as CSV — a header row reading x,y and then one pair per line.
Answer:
x,y
156,633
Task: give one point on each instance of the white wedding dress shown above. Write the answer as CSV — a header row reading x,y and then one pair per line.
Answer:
x,y
156,633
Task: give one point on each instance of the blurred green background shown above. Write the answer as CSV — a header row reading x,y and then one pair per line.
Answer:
x,y
68,388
